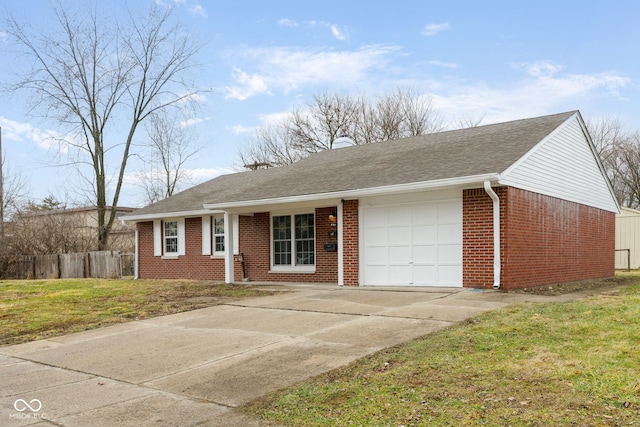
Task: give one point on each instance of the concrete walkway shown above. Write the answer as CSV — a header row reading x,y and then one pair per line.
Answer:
x,y
193,368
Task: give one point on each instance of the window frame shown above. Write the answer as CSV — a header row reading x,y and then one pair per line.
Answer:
x,y
166,237
215,235
293,267
160,238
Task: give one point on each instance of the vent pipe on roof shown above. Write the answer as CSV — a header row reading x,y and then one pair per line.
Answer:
x,y
342,141
496,233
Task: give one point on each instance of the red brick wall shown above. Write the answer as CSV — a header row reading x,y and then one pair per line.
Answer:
x,y
255,242
477,236
544,240
350,239
193,265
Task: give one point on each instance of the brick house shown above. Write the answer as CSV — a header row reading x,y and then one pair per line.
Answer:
x,y
509,205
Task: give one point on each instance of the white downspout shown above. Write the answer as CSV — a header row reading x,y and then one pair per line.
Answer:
x,y
496,233
340,213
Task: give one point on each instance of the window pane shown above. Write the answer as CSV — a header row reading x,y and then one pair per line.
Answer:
x,y
305,239
171,245
219,244
218,234
171,237
282,240
171,228
218,227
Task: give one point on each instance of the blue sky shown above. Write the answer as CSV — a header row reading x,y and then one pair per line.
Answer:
x,y
500,60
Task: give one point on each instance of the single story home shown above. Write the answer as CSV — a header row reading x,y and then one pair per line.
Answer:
x,y
509,205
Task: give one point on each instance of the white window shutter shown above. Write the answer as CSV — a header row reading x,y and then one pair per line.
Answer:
x,y
182,243
236,234
206,235
157,238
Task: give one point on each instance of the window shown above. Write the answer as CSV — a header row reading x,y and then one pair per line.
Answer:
x,y
293,240
218,235
171,237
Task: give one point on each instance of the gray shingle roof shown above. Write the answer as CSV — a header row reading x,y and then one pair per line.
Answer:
x,y
444,155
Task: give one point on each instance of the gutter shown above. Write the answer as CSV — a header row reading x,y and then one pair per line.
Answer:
x,y
496,233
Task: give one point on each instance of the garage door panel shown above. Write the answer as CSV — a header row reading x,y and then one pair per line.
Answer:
x,y
399,216
425,234
379,274
399,274
449,254
399,235
377,255
377,237
399,254
425,254
417,244
449,232
425,215
449,275
425,275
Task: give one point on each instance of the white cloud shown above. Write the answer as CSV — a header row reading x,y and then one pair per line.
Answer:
x,y
4,37
539,68
285,69
45,139
198,10
443,64
542,91
193,122
287,22
247,86
337,32
433,29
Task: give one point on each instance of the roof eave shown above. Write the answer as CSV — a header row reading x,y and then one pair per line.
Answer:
x,y
361,192
160,215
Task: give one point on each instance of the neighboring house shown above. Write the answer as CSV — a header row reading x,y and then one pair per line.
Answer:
x,y
509,205
80,228
628,239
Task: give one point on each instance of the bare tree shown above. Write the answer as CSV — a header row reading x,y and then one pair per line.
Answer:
x,y
400,114
619,151
14,189
170,146
103,79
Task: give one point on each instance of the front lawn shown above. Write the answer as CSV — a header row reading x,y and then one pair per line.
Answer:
x,y
554,364
37,309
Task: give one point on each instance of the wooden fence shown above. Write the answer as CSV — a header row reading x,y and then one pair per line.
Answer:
x,y
103,264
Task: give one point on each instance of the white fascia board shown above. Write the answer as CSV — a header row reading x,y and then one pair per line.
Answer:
x,y
183,214
352,194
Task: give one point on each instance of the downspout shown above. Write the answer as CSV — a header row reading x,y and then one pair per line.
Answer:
x,y
496,233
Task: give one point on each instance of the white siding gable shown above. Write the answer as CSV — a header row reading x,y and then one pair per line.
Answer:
x,y
564,165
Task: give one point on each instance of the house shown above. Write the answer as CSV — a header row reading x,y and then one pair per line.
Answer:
x,y
628,239
509,205
68,230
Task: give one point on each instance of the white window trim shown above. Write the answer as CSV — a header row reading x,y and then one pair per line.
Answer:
x,y
208,240
302,269
159,239
217,254
206,235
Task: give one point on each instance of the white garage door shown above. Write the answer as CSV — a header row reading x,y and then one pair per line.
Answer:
x,y
413,245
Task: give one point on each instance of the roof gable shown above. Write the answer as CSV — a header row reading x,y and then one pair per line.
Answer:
x,y
564,165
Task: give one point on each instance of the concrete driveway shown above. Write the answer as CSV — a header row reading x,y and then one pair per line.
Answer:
x,y
193,368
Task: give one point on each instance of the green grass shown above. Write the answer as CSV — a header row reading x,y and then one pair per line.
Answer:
x,y
37,309
555,364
